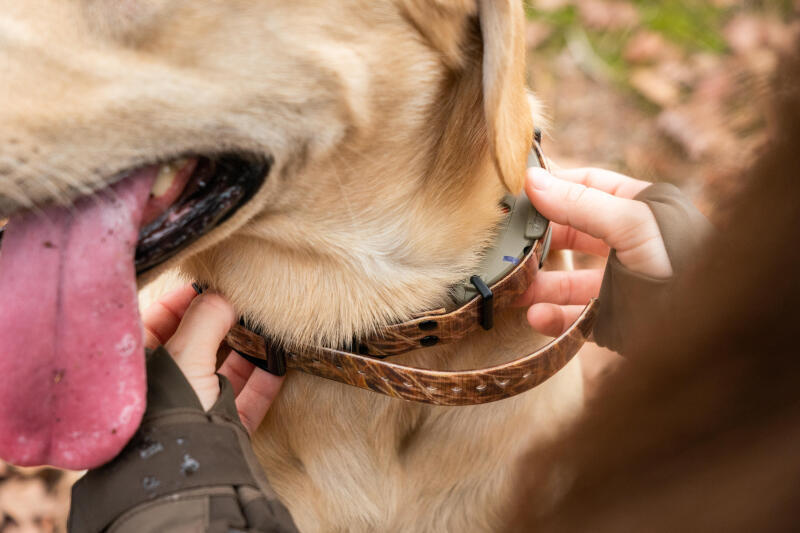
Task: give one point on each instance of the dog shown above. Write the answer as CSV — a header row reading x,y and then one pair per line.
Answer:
x,y
385,131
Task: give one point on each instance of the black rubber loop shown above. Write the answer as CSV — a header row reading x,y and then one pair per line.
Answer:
x,y
487,302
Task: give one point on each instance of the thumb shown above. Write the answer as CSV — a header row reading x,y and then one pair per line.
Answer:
x,y
626,225
196,341
591,211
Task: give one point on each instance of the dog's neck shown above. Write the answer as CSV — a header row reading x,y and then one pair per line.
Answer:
x,y
401,216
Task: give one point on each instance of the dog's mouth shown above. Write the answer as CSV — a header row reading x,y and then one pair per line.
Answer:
x,y
72,381
189,198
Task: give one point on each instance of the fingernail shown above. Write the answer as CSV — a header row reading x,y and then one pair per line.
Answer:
x,y
540,178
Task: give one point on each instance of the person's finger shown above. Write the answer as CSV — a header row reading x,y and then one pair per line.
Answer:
x,y
604,216
205,324
567,238
605,180
196,341
256,398
553,320
563,288
238,370
161,319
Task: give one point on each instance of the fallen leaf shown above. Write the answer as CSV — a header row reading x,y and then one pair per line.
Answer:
x,y
649,47
608,15
25,500
744,33
656,87
679,126
536,33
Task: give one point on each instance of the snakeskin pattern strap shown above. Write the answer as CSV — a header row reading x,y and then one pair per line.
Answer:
x,y
470,387
467,387
442,328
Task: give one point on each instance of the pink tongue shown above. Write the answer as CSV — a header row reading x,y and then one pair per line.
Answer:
x,y
72,378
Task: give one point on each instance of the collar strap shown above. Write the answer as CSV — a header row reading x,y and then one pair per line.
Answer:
x,y
438,327
362,366
459,388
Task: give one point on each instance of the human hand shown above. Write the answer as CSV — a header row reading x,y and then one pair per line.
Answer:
x,y
592,211
191,328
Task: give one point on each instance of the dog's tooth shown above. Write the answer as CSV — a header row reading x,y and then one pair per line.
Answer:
x,y
166,177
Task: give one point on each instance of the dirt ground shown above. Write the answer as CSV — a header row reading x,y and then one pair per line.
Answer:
x,y
661,90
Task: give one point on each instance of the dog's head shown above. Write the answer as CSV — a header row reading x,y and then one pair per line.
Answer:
x,y
321,163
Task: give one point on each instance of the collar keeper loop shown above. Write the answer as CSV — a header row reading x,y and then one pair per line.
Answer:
x,y
487,302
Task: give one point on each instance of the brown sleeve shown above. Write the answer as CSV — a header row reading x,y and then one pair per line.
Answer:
x,y
184,470
625,295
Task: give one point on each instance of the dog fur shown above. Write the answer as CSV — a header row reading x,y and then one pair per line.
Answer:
x,y
395,127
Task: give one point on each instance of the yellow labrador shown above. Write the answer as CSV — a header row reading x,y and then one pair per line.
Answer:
x,y
331,167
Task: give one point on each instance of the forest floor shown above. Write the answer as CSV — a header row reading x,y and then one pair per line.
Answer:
x,y
661,90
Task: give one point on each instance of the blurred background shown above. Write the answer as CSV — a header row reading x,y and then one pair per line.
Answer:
x,y
661,90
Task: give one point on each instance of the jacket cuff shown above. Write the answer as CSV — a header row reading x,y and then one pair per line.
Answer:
x,y
179,455
623,296
628,299
683,227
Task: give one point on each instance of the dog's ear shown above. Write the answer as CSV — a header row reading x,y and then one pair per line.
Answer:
x,y
505,101
446,25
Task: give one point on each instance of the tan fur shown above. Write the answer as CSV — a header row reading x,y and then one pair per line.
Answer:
x,y
395,126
